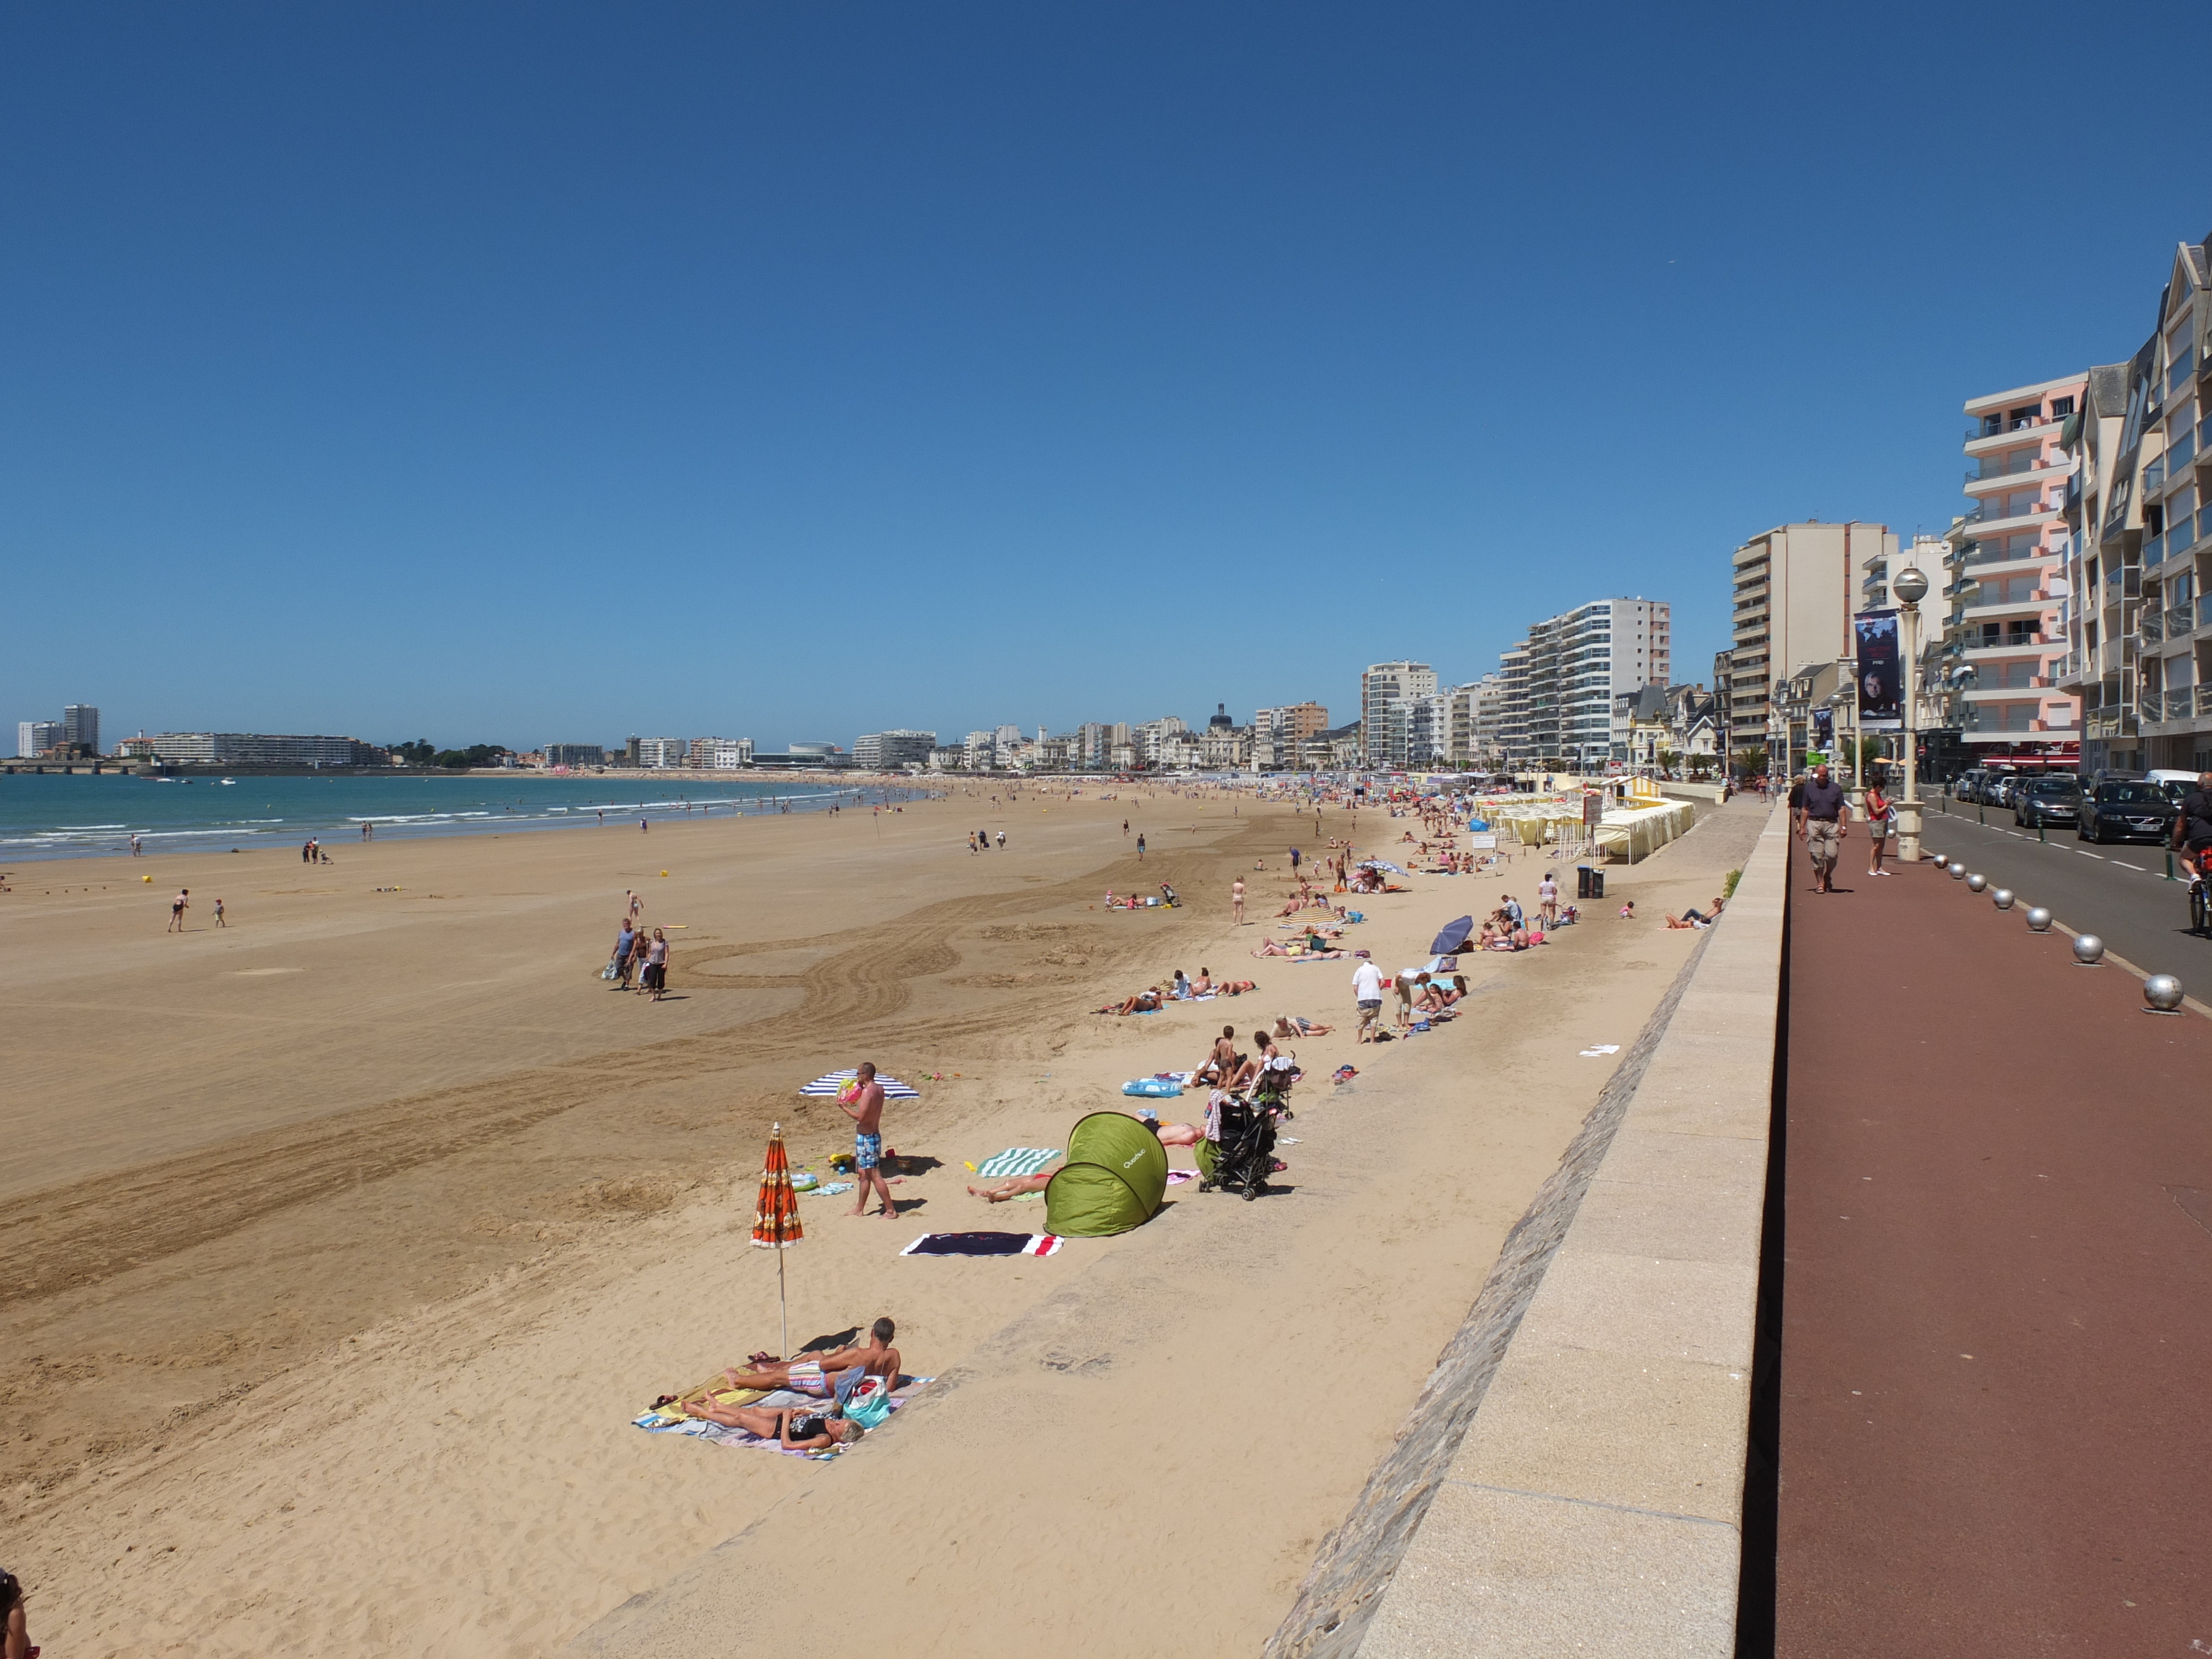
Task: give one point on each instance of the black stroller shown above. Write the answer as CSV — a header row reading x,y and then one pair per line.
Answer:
x,y
1244,1155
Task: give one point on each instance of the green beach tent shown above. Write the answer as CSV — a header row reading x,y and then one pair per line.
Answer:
x,y
1116,1174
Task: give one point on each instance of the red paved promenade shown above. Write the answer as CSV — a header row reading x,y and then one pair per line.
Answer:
x,y
1996,1386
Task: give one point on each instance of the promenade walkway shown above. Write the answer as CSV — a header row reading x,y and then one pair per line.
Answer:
x,y
1996,1386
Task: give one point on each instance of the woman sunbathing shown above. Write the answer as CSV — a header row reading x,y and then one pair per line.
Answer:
x,y
792,1428
1296,1025
1145,1002
998,1192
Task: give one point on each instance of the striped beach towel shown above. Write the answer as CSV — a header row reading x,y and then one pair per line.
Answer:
x,y
983,1245
1016,1161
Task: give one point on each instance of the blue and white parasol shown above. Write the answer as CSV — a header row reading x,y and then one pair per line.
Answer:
x,y
830,1085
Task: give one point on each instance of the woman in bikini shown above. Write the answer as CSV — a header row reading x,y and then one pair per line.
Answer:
x,y
793,1428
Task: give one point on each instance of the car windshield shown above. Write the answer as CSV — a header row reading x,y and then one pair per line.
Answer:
x,y
2132,794
2053,786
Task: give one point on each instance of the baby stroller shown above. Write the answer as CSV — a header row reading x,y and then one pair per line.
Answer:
x,y
1244,1153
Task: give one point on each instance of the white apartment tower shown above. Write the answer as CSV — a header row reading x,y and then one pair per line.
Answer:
x,y
1560,683
1388,693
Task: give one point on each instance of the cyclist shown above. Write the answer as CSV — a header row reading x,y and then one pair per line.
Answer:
x,y
2192,836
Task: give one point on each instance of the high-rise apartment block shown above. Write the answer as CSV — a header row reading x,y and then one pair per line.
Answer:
x,y
656,754
574,754
1795,591
80,728
882,751
35,737
1559,686
1387,693
2007,597
2138,629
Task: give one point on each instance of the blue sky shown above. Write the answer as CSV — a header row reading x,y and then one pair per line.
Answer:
x,y
524,373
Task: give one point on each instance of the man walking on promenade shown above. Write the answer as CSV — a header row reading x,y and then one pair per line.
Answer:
x,y
865,1107
1823,819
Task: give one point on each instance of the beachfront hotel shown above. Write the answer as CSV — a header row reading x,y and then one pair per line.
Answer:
x,y
1387,693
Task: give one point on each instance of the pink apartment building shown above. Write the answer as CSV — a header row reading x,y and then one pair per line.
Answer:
x,y
2005,633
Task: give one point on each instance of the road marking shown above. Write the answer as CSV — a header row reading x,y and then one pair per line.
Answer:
x,y
2099,857
2138,868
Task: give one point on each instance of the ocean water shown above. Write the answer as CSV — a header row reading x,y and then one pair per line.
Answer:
x,y
83,817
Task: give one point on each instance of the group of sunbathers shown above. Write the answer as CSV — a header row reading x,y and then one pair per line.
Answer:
x,y
829,1377
1153,998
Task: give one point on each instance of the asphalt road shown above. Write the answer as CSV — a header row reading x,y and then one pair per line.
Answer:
x,y
2117,891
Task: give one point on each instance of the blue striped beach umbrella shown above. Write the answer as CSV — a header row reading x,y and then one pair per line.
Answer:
x,y
830,1085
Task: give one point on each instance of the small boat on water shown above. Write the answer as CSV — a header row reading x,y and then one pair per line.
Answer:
x,y
226,780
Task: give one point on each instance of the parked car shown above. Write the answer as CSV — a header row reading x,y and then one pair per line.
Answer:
x,y
2054,798
1963,786
1998,790
2124,812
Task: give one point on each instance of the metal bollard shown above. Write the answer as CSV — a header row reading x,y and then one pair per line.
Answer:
x,y
2039,837
2170,876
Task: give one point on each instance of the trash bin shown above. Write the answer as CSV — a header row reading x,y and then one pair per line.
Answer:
x,y
1597,883
1583,873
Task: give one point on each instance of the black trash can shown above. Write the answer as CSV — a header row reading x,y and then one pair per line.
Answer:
x,y
1582,874
1597,883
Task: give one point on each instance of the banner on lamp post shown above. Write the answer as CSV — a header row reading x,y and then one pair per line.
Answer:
x,y
1881,676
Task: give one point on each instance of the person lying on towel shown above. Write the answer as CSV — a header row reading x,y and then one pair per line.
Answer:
x,y
819,1374
790,1428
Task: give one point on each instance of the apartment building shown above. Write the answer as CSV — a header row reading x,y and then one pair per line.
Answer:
x,y
886,751
655,754
2006,597
35,737
1561,685
574,754
260,748
2138,632
1793,591
80,728
1388,692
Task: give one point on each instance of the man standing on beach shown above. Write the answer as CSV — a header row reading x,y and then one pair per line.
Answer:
x,y
1237,899
1367,994
178,906
865,1108
1140,849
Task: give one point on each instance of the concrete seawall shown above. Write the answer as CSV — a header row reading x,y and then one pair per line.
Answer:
x,y
1571,1479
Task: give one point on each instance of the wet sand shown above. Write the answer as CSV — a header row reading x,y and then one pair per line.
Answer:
x,y
340,1244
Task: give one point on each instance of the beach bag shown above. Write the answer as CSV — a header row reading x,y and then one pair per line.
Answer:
x,y
610,970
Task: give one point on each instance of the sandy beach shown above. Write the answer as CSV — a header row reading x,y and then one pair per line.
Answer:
x,y
341,1244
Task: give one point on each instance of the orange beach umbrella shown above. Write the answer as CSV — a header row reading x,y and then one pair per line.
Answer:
x,y
776,1221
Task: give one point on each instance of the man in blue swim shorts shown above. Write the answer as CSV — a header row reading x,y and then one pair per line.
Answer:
x,y
863,1103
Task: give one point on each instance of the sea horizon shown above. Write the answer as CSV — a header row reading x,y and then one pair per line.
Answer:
x,y
65,817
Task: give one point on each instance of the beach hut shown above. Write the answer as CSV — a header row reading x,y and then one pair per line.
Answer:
x,y
1115,1174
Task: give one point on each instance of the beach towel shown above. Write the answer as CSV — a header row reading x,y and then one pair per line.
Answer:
x,y
1015,1161
828,1190
1154,1087
1176,1178
983,1245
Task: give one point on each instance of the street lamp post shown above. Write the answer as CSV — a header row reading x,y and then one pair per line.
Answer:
x,y
1909,589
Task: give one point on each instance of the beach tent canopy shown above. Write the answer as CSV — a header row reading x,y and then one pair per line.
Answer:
x,y
1116,1174
1453,935
830,1085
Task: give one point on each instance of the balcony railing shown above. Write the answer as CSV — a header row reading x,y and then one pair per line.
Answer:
x,y
2010,466
2203,701
1981,553
1996,426
2178,453
2179,621
2204,611
2151,622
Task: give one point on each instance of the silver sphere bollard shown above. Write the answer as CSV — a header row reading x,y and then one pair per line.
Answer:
x,y
2162,995
2002,899
1958,871
2039,920
2088,950
1976,883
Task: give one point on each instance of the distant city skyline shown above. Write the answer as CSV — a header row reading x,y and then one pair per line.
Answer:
x,y
930,368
